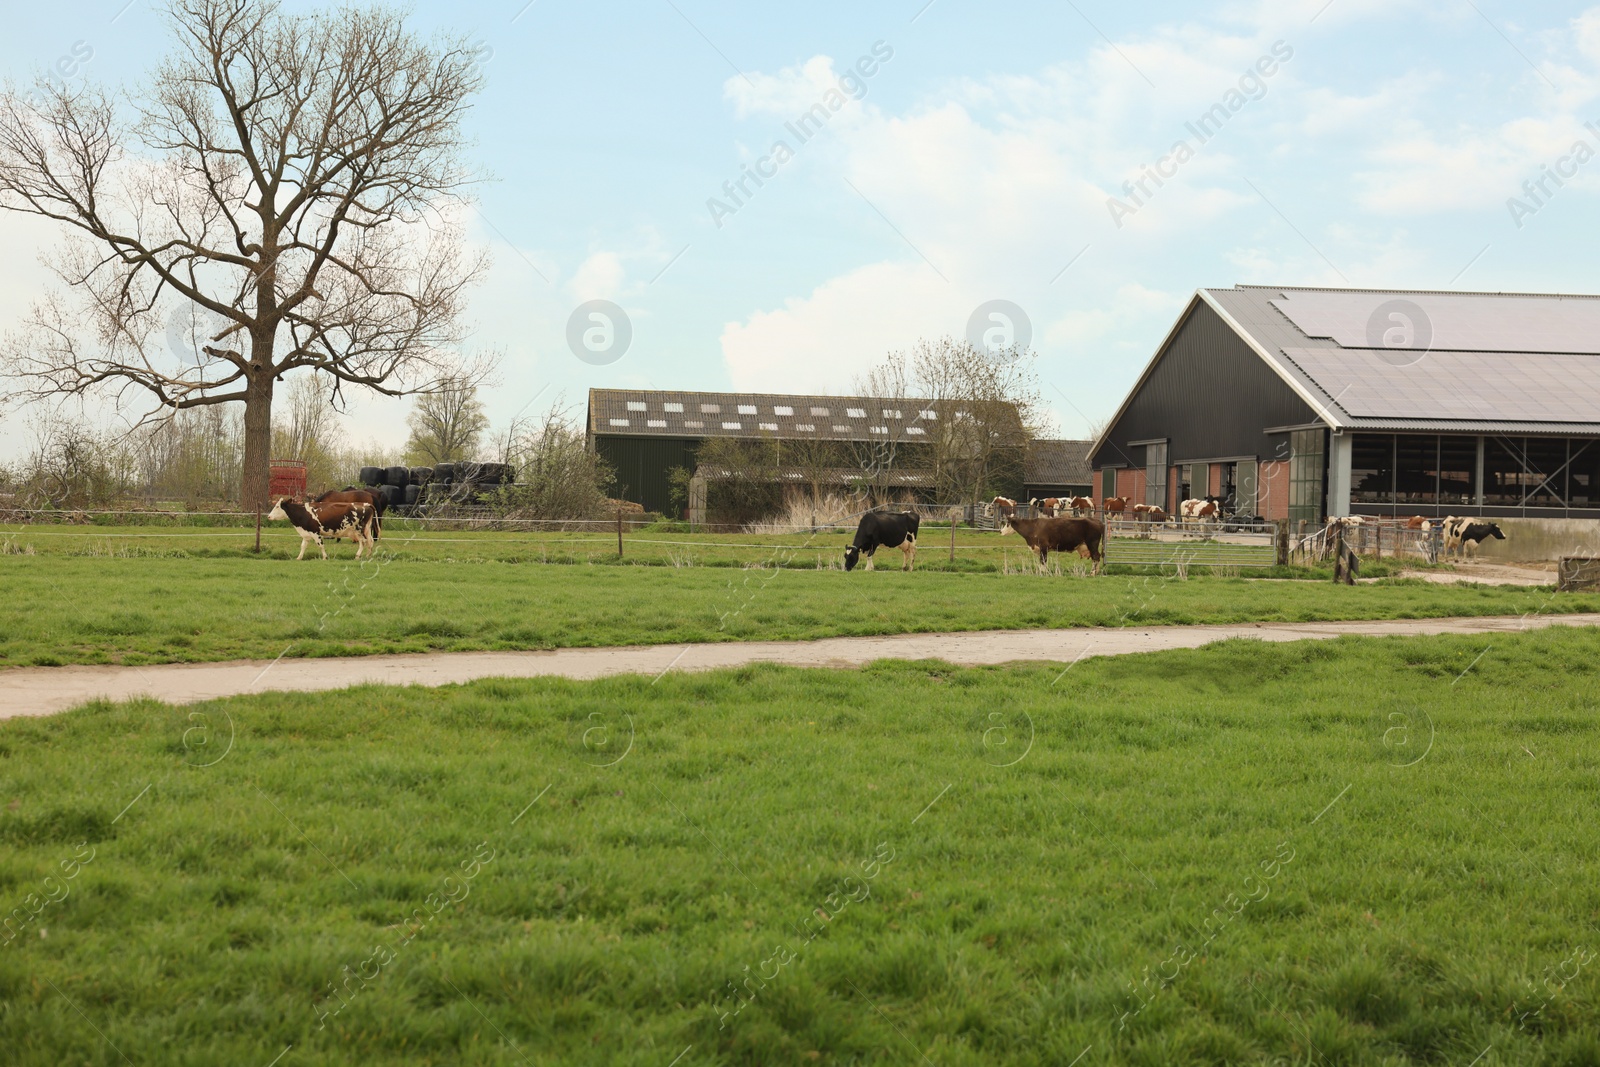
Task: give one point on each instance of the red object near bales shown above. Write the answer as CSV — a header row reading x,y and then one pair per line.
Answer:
x,y
288,479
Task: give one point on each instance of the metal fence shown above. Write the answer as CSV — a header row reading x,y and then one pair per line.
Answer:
x,y
1191,545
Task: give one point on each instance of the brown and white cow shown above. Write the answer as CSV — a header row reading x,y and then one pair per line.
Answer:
x,y
1080,505
356,522
1003,506
1419,522
1084,536
352,495
1200,511
1148,513
1114,505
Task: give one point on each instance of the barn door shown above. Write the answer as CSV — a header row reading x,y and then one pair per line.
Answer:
x,y
1245,487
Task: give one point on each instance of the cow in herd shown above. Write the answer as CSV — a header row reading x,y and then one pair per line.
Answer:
x,y
888,531
352,495
335,521
1045,535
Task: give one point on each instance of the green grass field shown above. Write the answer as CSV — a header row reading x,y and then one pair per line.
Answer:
x,y
1351,852
140,596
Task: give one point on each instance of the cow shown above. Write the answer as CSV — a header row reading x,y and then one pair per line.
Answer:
x,y
1114,505
1003,505
1047,507
1080,505
1466,534
1200,511
1418,522
1084,536
356,522
1148,513
351,494
891,531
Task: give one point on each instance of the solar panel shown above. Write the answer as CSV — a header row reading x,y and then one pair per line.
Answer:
x,y
1543,387
1458,322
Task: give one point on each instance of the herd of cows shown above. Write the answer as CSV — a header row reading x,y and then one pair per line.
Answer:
x,y
357,515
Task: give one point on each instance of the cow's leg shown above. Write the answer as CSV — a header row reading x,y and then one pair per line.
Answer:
x,y
909,551
322,546
869,560
304,541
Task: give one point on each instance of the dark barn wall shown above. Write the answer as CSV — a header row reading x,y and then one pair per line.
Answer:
x,y
642,463
1210,395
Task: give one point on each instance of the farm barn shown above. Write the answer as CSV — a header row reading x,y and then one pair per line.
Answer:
x,y
837,441
1057,468
1302,403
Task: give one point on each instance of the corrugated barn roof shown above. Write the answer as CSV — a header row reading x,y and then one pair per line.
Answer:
x,y
1056,462
669,413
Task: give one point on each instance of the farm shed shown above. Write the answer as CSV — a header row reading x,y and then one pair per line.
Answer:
x,y
1057,468
835,440
1302,403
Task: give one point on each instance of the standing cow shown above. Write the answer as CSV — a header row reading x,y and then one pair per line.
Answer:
x,y
352,495
1084,536
357,522
890,531
1462,535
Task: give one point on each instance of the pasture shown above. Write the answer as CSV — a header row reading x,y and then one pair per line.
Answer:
x,y
140,595
1358,852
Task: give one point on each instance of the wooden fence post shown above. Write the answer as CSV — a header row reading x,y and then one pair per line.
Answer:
x,y
619,533
1282,540
952,535
258,528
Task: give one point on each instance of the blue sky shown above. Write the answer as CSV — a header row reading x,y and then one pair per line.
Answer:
x,y
976,162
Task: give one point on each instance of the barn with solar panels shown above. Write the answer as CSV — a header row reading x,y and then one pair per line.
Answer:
x,y
1298,403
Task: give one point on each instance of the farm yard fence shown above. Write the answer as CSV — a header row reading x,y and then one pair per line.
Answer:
x,y
1225,546
1379,538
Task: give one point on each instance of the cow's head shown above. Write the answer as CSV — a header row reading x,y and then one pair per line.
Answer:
x,y
852,556
1495,532
277,512
1005,526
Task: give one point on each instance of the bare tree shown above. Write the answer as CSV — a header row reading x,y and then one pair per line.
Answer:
x,y
447,424
287,180
558,477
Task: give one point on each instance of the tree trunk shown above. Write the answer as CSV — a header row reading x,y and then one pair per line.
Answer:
x,y
257,443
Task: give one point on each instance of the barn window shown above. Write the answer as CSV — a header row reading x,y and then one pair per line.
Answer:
x,y
783,409
880,429
929,414
856,413
672,409
915,429
619,422
693,424
1155,474
841,429
771,426
731,426
656,424
891,413
636,405
710,409
747,409
819,411
805,427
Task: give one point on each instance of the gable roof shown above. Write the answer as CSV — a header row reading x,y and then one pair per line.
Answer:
x,y
676,413
1418,360
1055,462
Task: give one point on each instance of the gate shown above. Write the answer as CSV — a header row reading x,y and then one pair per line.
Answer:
x,y
1227,544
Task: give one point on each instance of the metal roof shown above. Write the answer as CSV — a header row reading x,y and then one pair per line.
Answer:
x,y
1055,462
1407,359
672,413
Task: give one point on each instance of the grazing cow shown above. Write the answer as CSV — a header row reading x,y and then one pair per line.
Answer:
x,y
1080,505
1149,513
890,531
1084,536
1114,505
357,522
1462,535
352,495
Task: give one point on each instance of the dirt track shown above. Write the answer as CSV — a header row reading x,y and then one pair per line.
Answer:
x,y
44,690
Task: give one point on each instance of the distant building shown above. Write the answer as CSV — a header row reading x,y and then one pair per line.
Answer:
x,y
1303,403
644,434
1057,468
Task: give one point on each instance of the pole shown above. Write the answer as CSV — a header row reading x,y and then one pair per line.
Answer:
x,y
952,535
619,533
258,528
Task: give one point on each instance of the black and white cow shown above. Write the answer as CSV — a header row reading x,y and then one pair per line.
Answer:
x,y
890,531
358,522
1466,534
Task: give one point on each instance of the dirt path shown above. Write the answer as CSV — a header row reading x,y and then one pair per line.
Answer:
x,y
44,690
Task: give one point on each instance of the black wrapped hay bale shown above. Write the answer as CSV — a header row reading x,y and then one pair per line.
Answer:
x,y
371,476
421,475
444,473
393,495
396,476
413,494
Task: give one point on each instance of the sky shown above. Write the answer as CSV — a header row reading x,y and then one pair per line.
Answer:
x,y
1049,155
